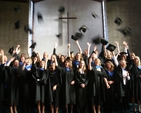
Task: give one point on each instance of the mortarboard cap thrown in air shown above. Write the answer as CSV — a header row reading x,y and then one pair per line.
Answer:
x,y
77,36
33,45
83,29
111,47
118,21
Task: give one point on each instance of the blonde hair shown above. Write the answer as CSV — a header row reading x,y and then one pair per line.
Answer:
x,y
84,68
138,58
97,59
30,60
112,68
70,63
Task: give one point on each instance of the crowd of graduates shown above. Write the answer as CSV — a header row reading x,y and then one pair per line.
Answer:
x,y
84,81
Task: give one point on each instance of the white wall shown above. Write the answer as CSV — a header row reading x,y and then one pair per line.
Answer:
x,y
45,31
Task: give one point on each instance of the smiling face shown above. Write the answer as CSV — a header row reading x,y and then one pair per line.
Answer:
x,y
28,61
122,63
78,56
109,65
97,62
42,64
62,58
81,64
22,59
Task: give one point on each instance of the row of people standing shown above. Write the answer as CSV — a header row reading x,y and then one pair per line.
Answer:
x,y
72,82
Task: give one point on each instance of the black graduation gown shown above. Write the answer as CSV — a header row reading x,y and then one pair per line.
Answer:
x,y
121,89
40,85
67,90
2,82
110,93
81,93
97,86
28,86
14,84
136,72
54,78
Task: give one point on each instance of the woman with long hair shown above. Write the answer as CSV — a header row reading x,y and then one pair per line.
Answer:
x,y
53,86
110,93
136,72
68,86
81,78
40,76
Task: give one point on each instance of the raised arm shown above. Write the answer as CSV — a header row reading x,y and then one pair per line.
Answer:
x,y
9,62
2,56
56,63
54,50
78,45
115,59
95,47
103,52
18,50
89,64
68,50
88,49
117,45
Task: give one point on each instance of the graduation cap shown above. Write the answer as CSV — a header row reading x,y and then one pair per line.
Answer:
x,y
83,29
61,9
59,35
99,40
11,50
68,58
125,31
71,52
94,15
96,40
39,16
103,41
17,24
122,53
77,36
26,28
33,45
118,21
111,47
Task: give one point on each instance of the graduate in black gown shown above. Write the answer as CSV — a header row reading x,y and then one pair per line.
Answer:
x,y
68,86
53,86
81,78
14,84
122,80
28,83
136,72
61,62
97,82
40,76
110,93
76,61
